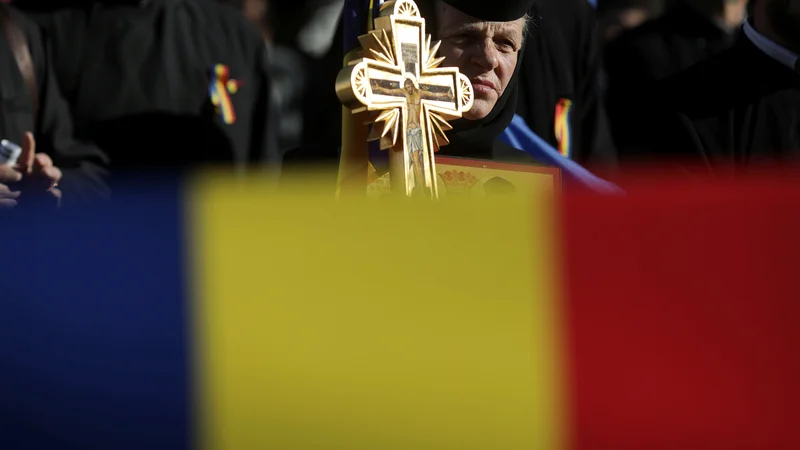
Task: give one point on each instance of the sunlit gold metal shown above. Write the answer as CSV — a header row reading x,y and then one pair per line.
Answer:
x,y
398,86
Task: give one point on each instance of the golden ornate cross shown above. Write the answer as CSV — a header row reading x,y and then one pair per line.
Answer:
x,y
407,97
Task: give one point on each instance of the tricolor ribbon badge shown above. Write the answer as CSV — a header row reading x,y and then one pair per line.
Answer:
x,y
563,126
220,89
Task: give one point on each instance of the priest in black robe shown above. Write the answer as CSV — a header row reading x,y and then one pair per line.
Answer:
x,y
163,84
688,33
34,116
739,110
472,137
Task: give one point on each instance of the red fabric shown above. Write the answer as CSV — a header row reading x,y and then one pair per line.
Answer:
x,y
684,317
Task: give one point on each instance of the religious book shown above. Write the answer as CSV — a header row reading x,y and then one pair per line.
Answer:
x,y
466,177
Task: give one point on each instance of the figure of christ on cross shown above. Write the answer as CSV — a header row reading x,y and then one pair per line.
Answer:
x,y
414,133
415,144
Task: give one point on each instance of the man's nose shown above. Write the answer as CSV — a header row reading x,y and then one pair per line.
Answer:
x,y
486,55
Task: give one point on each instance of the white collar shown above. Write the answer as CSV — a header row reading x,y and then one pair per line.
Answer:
x,y
772,49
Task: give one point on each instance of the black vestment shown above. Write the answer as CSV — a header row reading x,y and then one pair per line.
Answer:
x,y
738,110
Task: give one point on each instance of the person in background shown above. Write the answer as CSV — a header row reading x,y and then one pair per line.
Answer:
x,y
163,84
287,68
34,115
739,110
614,17
689,32
313,30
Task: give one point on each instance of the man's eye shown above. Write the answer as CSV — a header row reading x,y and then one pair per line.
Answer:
x,y
459,39
506,46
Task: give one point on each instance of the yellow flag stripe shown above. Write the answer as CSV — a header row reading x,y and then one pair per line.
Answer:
x,y
373,325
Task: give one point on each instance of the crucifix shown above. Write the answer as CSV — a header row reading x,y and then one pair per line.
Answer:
x,y
403,93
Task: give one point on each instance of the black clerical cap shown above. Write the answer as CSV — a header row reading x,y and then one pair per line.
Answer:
x,y
493,10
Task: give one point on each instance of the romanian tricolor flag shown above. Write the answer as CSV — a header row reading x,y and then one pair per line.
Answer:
x,y
218,315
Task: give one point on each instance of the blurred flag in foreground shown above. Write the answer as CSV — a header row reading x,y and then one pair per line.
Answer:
x,y
216,315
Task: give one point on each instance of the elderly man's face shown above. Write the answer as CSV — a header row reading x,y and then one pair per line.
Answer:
x,y
486,52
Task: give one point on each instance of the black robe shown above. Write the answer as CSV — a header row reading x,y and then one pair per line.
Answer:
x,y
137,79
729,114
46,114
652,52
562,62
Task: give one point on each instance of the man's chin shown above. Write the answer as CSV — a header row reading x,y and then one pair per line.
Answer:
x,y
480,109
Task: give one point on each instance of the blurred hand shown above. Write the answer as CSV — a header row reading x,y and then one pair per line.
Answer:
x,y
9,175
36,171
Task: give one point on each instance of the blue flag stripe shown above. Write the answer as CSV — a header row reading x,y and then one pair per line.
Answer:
x,y
93,329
